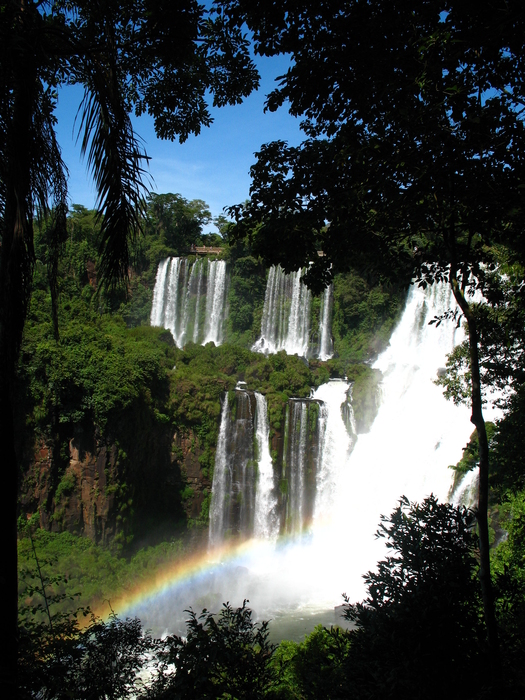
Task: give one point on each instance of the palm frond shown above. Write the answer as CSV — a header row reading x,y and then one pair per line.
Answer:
x,y
115,157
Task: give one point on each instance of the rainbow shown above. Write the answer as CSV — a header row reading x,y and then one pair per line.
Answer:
x,y
187,570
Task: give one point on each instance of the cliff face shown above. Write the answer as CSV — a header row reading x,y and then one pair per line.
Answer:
x,y
107,493
79,501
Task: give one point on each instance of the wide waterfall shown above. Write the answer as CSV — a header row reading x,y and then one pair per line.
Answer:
x,y
190,300
287,317
321,487
416,435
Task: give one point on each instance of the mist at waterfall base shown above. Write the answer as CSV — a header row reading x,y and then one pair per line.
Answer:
x,y
415,436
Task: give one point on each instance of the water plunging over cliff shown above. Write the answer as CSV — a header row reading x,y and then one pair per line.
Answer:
x,y
287,317
189,299
251,494
266,523
244,498
328,488
413,439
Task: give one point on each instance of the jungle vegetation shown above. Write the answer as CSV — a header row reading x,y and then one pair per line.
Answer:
x,y
418,633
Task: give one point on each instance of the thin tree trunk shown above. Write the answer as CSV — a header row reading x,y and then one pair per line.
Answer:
x,y
8,570
483,493
16,268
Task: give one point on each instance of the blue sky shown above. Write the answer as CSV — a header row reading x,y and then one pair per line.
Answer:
x,y
213,166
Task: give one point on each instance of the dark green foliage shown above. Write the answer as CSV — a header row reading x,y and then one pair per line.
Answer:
x,y
414,137
173,224
61,658
500,318
203,373
508,449
246,299
80,572
509,568
169,60
364,316
314,668
228,656
101,661
97,368
507,446
419,631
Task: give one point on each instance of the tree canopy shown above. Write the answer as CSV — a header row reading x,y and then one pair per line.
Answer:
x,y
175,222
414,148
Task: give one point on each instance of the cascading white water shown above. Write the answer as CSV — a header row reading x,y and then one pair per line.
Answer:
x,y
159,294
415,436
466,492
244,500
266,522
190,309
175,297
297,426
286,319
222,478
336,445
216,307
179,288
195,336
325,338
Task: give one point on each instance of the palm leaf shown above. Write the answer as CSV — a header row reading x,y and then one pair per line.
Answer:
x,y
115,157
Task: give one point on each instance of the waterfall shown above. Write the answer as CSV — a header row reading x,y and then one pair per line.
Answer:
x,y
297,433
415,436
266,524
216,308
325,338
340,484
300,460
328,480
244,489
180,288
159,294
198,291
222,482
234,479
336,445
286,320
466,492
